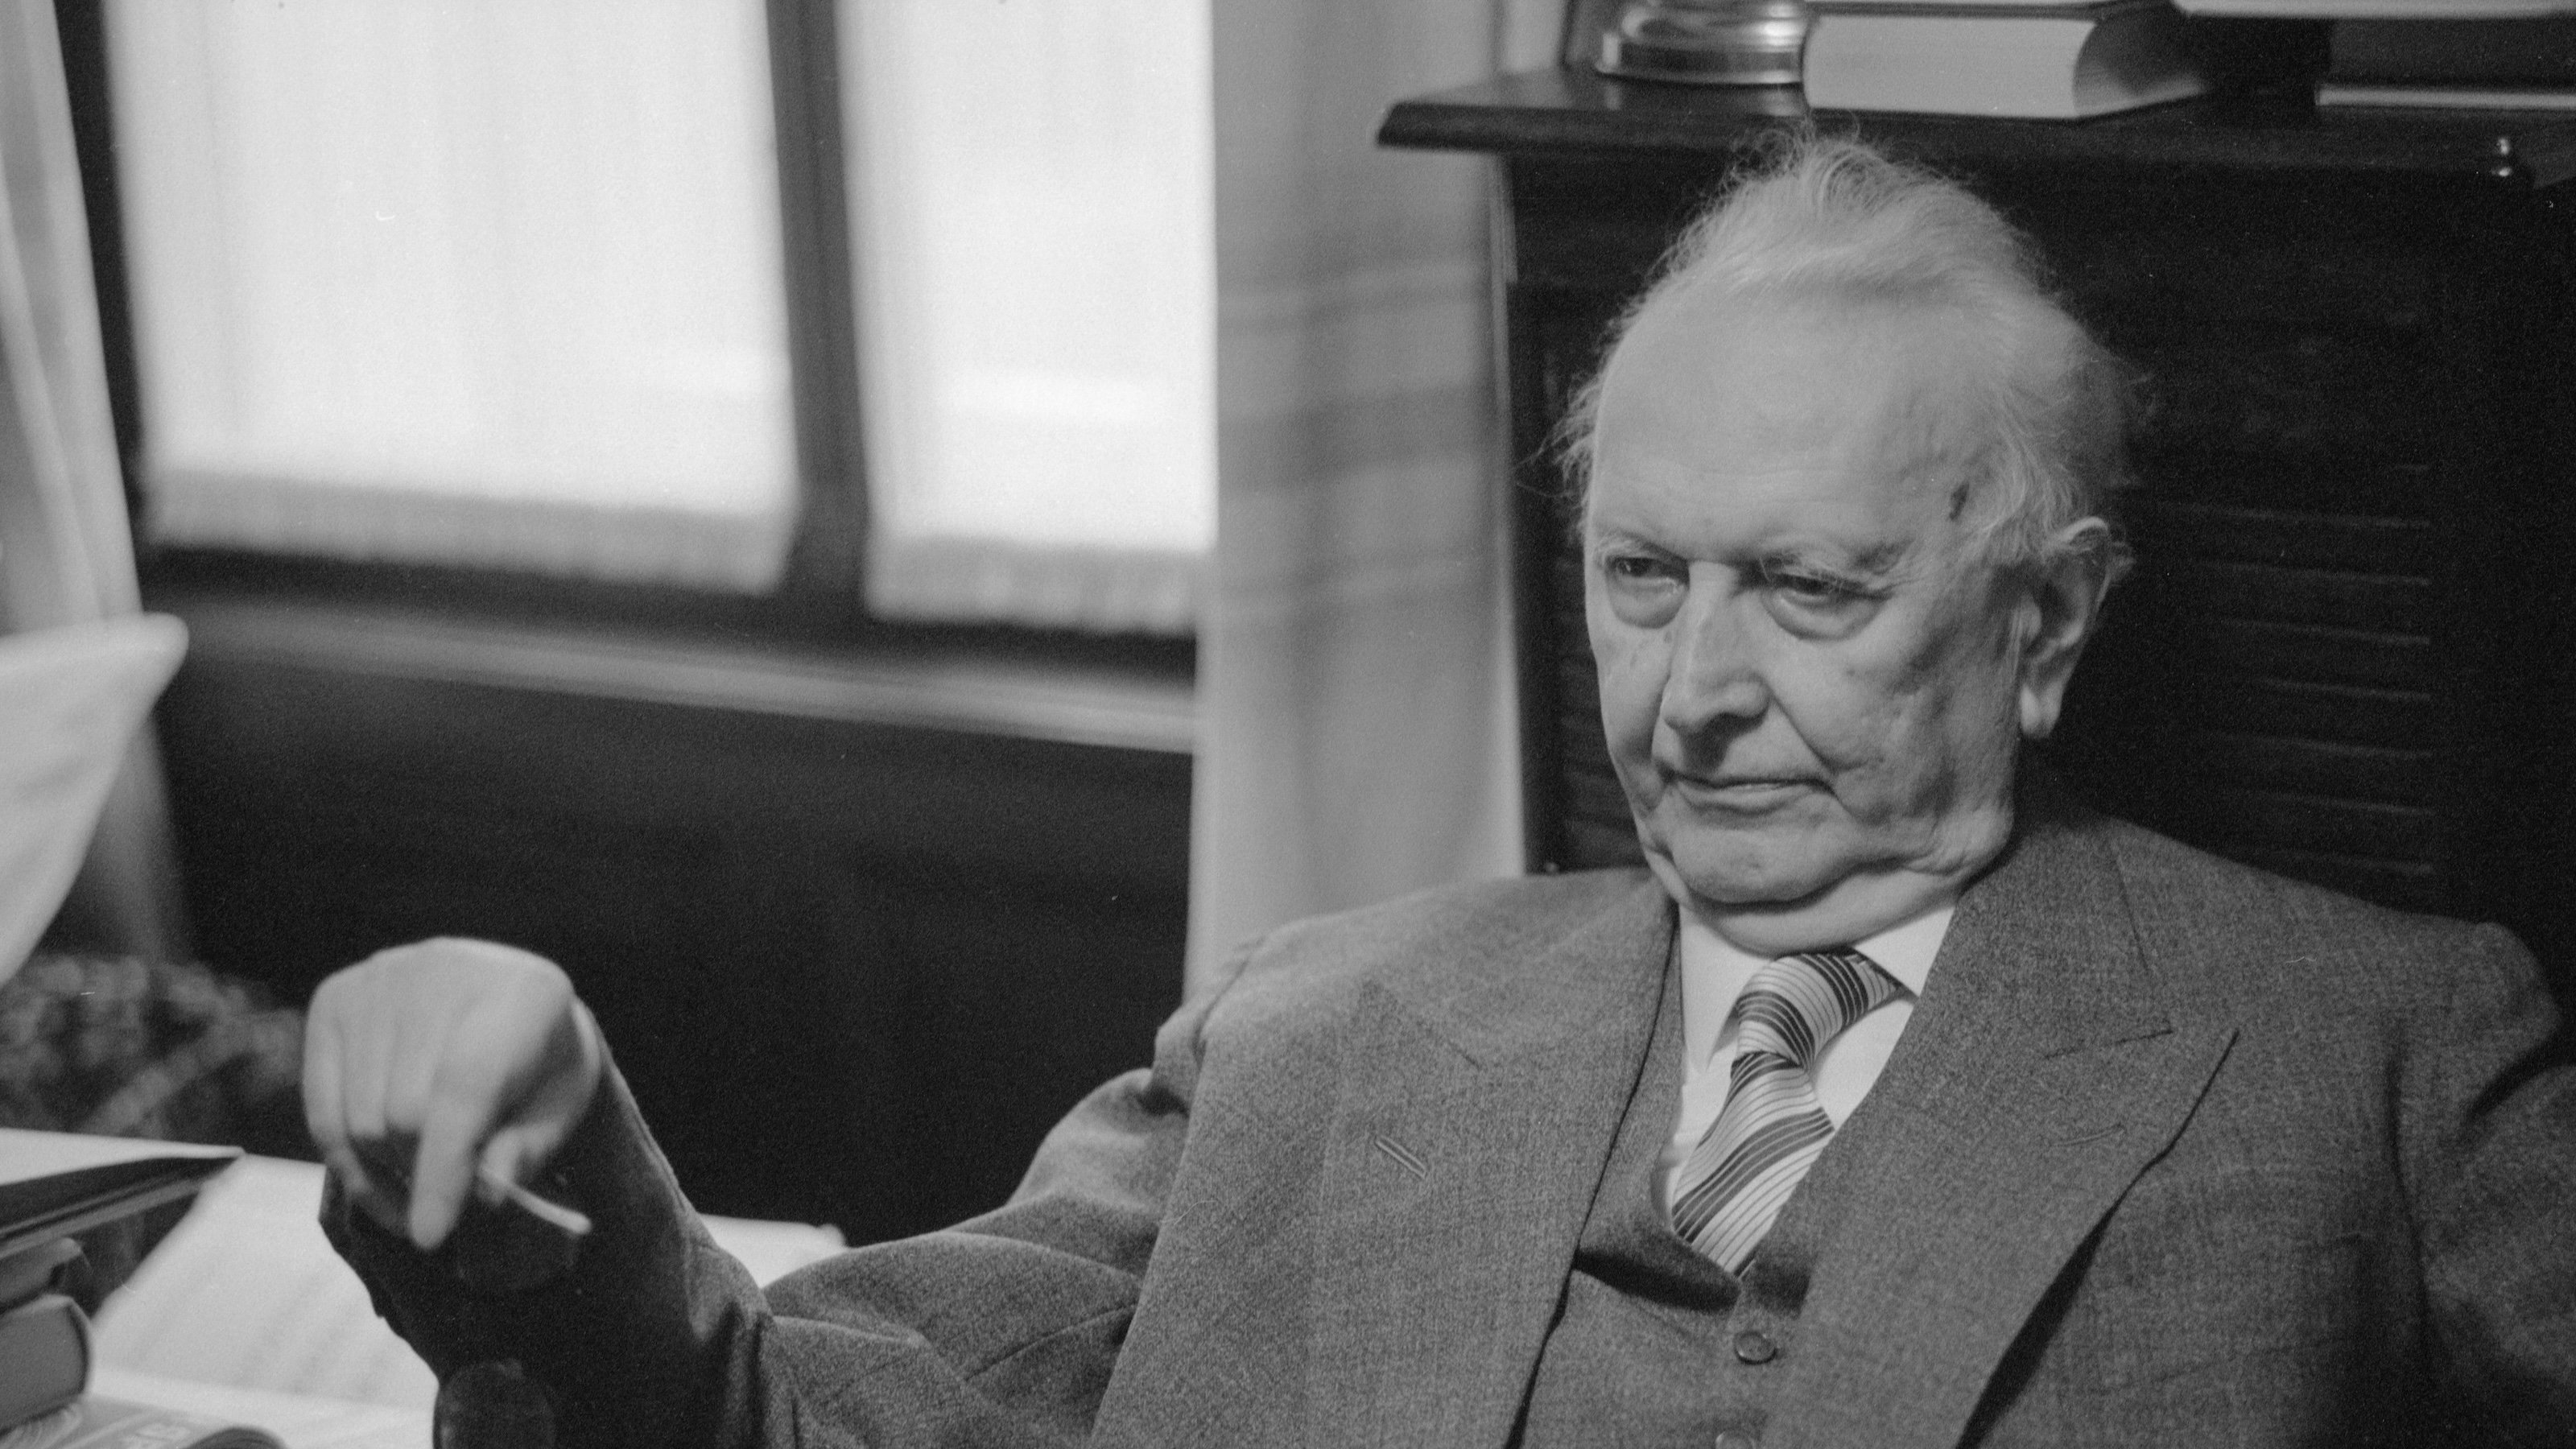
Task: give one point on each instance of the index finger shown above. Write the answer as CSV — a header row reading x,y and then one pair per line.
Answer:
x,y
325,1116
451,1143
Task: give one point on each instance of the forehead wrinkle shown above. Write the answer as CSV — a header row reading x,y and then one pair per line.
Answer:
x,y
1917,437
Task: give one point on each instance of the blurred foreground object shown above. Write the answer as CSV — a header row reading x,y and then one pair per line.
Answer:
x,y
70,698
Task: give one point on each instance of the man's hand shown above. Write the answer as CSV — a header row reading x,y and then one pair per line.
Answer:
x,y
429,1061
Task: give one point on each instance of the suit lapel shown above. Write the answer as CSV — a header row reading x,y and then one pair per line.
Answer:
x,y
2038,1077
1476,1115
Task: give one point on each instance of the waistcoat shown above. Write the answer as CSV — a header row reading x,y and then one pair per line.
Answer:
x,y
1655,1346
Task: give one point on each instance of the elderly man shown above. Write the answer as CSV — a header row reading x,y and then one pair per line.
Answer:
x,y
1900,1102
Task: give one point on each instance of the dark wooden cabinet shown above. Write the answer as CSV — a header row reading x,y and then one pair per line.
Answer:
x,y
2346,653
853,965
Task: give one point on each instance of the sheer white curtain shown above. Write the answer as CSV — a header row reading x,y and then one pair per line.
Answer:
x,y
490,282
65,554
1030,218
469,281
1355,681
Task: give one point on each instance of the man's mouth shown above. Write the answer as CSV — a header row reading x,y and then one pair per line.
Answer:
x,y
1739,792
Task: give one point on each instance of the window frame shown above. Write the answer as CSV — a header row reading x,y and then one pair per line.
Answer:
x,y
820,603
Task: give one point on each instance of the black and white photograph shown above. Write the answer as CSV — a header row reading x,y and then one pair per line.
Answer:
x,y
1431,724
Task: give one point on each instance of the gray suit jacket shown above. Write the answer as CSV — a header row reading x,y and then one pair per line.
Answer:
x,y
2173,1152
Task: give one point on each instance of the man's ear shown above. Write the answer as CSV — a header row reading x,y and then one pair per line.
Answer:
x,y
2059,611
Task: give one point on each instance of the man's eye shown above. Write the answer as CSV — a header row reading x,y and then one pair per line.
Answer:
x,y
1813,589
1640,568
1644,590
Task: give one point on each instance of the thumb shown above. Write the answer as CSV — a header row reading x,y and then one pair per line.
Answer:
x,y
516,1154
544,1121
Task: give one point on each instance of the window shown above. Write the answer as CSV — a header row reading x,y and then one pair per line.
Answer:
x,y
501,285
1031,202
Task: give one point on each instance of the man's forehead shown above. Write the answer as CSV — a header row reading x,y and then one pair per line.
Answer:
x,y
1820,406
1705,332
1699,520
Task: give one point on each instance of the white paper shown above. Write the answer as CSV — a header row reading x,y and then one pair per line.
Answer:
x,y
301,1420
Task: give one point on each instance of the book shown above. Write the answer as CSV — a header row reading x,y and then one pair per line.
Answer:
x,y
34,1269
1984,58
1974,8
2357,94
44,1357
2534,52
94,1421
2380,9
53,1184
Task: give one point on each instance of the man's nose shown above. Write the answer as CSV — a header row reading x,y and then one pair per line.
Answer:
x,y
1716,678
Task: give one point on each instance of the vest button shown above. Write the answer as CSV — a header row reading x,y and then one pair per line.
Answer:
x,y
1755,1347
1738,1439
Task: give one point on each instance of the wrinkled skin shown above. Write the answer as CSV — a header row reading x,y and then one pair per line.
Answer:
x,y
1814,683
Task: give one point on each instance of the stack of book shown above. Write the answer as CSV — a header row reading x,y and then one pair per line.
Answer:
x,y
53,1185
2047,59
2525,63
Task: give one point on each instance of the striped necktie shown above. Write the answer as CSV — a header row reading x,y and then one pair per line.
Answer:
x,y
1771,1130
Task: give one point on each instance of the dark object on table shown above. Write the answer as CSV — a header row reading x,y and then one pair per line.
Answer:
x,y
493,1406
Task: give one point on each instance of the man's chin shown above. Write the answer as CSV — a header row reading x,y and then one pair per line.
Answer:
x,y
1771,909
1801,891
1737,881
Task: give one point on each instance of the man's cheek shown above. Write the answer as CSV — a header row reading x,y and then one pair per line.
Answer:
x,y
1632,686
1867,725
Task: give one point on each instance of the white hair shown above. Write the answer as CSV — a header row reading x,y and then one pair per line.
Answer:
x,y
1834,221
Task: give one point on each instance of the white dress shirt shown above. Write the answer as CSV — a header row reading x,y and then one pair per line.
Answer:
x,y
1714,973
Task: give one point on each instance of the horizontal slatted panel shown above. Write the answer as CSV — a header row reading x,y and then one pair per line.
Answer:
x,y
2320,767
2408,885
2301,395
2263,649
2389,718
2275,819
2216,278
2269,689
2372,602
2355,543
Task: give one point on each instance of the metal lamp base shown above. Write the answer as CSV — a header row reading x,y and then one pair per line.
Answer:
x,y
1707,42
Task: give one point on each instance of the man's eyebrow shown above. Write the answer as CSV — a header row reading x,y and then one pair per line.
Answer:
x,y
1881,558
1878,560
1599,534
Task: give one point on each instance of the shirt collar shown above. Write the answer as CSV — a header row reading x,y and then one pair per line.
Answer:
x,y
1714,970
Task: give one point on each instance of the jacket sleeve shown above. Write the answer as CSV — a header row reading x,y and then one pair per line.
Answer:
x,y
2492,1162
1002,1331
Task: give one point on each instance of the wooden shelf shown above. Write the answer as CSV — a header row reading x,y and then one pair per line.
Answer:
x,y
2276,130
